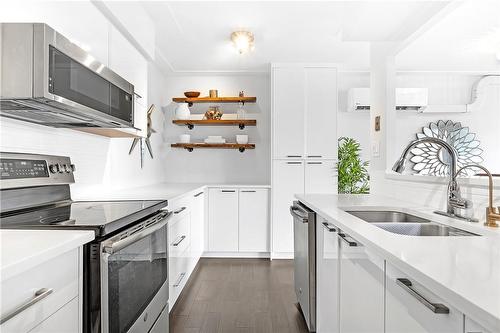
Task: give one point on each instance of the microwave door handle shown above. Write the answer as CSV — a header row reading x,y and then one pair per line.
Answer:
x,y
122,243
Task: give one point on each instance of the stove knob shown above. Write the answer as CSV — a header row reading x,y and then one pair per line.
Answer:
x,y
54,168
60,168
66,168
73,168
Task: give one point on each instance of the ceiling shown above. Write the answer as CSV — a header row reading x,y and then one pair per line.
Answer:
x,y
194,36
466,39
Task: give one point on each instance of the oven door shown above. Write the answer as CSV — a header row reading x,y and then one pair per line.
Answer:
x,y
134,276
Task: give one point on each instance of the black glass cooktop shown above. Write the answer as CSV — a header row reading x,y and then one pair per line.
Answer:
x,y
104,217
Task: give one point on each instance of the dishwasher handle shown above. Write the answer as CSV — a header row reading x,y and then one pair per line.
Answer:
x,y
295,213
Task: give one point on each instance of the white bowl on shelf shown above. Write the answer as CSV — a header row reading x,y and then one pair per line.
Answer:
x,y
242,139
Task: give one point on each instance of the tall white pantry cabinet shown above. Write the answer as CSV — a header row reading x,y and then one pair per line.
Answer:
x,y
304,141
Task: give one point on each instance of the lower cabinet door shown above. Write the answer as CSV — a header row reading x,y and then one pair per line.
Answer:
x,y
321,176
361,288
161,324
288,180
223,220
327,258
472,327
253,220
64,320
411,308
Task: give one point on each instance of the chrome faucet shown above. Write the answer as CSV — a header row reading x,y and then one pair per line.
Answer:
x,y
455,199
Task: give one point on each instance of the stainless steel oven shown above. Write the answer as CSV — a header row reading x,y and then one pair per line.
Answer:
x,y
133,277
47,79
125,268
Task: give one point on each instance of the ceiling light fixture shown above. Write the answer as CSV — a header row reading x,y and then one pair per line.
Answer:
x,y
243,41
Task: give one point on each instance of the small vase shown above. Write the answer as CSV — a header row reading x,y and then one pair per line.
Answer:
x,y
241,113
182,112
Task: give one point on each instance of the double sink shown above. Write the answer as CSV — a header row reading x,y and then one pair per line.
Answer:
x,y
407,224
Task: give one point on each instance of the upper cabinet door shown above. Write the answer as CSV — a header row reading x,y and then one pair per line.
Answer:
x,y
288,112
321,112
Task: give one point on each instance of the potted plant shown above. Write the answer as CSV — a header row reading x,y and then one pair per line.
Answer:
x,y
353,177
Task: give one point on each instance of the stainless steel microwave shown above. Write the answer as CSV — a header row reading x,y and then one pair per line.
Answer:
x,y
48,80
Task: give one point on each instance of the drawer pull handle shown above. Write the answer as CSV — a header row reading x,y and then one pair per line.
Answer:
x,y
330,227
314,162
296,163
179,280
350,242
198,194
248,191
39,295
180,210
179,241
315,156
228,191
434,307
294,156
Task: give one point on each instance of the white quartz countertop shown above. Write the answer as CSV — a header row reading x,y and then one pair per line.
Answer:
x,y
464,271
160,191
22,250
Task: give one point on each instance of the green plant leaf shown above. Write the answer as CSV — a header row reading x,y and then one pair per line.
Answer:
x,y
353,177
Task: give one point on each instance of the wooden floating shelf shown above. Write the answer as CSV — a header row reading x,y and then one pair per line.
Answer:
x,y
191,146
241,123
191,101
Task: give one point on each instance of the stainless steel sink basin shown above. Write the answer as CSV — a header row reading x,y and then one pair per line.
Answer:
x,y
407,224
387,216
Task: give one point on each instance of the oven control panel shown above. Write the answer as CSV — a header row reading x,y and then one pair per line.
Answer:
x,y
24,170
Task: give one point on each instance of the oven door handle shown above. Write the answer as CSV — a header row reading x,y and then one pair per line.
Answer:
x,y
122,243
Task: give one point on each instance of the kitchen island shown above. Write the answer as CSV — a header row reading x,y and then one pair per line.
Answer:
x,y
463,272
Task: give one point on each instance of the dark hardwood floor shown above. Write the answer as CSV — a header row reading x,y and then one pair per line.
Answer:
x,y
239,295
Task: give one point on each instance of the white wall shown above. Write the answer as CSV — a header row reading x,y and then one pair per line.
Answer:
x,y
219,165
354,124
451,89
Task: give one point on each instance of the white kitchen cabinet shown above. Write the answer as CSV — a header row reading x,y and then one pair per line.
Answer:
x,y
410,307
179,248
223,220
321,112
327,279
472,327
65,320
57,283
288,180
361,288
197,226
288,112
320,176
253,220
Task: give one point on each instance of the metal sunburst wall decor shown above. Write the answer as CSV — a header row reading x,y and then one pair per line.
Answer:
x,y
431,159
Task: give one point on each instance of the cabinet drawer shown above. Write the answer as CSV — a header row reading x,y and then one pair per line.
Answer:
x,y
472,327
59,276
178,275
65,320
179,205
411,307
178,234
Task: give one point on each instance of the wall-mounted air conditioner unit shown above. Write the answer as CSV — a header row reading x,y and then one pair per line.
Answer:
x,y
358,99
407,99
411,99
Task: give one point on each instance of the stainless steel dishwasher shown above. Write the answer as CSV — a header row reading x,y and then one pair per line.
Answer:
x,y
304,234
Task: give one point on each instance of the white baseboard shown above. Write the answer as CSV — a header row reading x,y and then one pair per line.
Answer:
x,y
235,255
281,255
